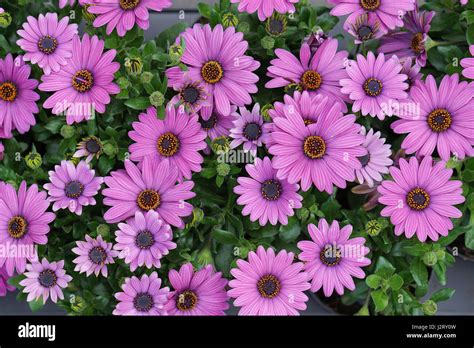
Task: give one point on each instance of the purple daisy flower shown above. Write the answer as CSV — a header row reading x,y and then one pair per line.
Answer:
x,y
177,139
217,125
366,27
269,284
151,188
374,84
47,41
249,129
421,198
23,223
17,96
142,296
94,256
4,286
440,118
123,14
324,153
331,258
410,43
468,65
265,8
44,279
144,240
217,57
377,160
72,187
197,293
85,83
389,13
192,95
318,74
412,71
89,147
266,197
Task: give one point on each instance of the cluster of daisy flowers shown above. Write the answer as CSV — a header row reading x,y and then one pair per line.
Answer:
x,y
309,140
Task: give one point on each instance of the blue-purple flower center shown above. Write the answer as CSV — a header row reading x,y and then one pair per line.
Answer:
x,y
8,91
330,255
82,81
190,94
418,199
212,72
276,24
373,87
168,144
440,120
208,124
97,255
47,44
314,147
252,131
17,227
271,190
370,5
73,189
148,200
129,4
365,32
47,278
364,160
143,302
93,145
144,239
268,286
311,80
186,300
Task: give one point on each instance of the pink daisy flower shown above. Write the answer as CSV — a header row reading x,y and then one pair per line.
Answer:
x,y
389,13
85,83
143,296
420,200
4,286
197,293
144,240
23,223
264,196
44,279
177,139
366,27
192,95
217,125
249,129
318,74
441,118
331,258
269,284
468,65
374,84
265,8
324,153
217,57
47,41
93,256
17,96
151,188
377,160
72,187
123,14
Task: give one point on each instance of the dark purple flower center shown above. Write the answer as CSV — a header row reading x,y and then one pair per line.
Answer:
x,y
143,302
276,24
365,32
373,87
129,4
168,144
311,80
364,160
418,199
440,120
47,44
271,190
314,147
208,124
269,286
330,255
370,5
93,145
212,72
73,189
186,300
8,91
417,44
47,278
252,131
97,255
190,94
17,227
148,200
82,81
144,239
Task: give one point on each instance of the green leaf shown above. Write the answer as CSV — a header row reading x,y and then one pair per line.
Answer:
x,y
395,282
169,36
225,237
470,34
36,305
384,268
419,272
140,103
380,299
373,281
440,272
442,295
204,10
291,231
469,238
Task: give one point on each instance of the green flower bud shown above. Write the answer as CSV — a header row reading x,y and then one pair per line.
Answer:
x,y
33,160
146,77
293,87
430,307
304,213
78,304
133,65
267,42
5,19
223,169
430,259
103,230
157,99
229,20
110,149
244,27
67,131
123,82
373,228
204,257
265,112
175,53
221,145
